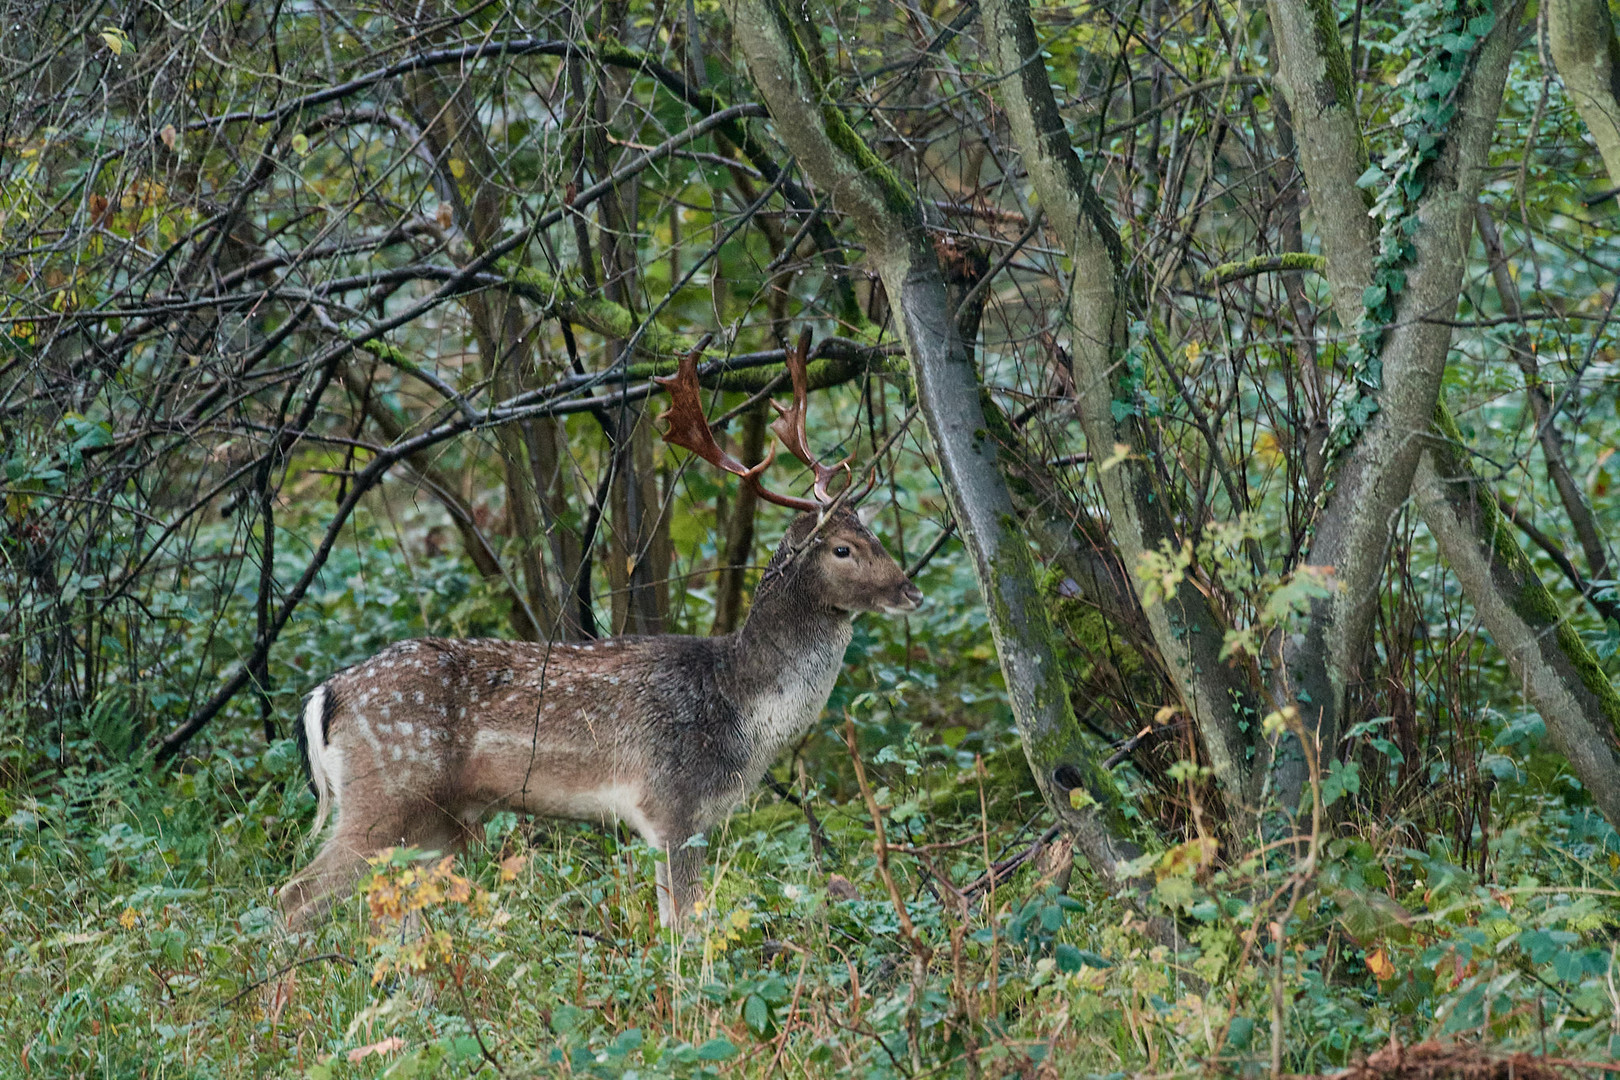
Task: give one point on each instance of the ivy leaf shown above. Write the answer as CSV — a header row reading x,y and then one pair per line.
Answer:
x,y
1343,778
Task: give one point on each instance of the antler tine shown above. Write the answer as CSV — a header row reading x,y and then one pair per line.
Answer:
x,y
789,423
689,429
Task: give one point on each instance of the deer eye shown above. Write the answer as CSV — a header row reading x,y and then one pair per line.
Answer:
x,y
841,551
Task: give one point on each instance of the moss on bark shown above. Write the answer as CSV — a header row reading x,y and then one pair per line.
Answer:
x,y
1526,593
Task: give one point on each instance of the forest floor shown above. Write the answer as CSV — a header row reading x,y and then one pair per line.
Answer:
x,y
143,943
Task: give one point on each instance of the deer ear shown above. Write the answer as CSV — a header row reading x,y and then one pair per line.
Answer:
x,y
869,513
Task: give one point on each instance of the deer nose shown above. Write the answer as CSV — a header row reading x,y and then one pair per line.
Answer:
x,y
911,598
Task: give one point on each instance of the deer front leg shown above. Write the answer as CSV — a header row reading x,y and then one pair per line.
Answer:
x,y
679,883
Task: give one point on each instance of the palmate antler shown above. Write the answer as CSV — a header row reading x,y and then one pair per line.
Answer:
x,y
689,428
789,422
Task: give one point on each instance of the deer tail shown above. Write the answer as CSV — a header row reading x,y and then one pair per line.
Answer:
x,y
320,759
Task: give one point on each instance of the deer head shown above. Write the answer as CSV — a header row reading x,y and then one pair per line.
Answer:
x,y
828,553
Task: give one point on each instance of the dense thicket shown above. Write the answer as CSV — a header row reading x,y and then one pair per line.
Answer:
x,y
1240,379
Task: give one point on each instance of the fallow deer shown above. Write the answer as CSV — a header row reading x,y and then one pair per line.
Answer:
x,y
663,733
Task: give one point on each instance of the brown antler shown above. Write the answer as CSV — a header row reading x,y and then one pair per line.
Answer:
x,y
689,428
789,424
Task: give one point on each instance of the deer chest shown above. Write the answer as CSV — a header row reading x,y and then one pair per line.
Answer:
x,y
784,709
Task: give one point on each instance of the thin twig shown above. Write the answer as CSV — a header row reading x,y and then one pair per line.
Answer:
x,y
282,970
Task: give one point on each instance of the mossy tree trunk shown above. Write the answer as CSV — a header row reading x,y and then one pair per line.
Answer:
x,y
1557,671
1393,459
1185,628
888,217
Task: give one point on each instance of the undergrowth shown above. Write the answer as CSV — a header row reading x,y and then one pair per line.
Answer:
x,y
142,943
141,939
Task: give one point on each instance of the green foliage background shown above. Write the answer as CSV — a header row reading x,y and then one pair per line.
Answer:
x,y
1461,886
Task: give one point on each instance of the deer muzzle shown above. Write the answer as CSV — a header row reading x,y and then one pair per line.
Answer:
x,y
910,598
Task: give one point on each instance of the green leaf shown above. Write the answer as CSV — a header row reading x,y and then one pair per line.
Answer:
x,y
1343,778
720,1049
1175,892
757,1014
1070,958
1389,750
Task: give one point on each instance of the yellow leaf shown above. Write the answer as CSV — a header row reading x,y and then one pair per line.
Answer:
x,y
1378,963
1267,447
300,144
115,39
168,135
1276,723
512,865
1195,349
1121,452
458,168
1187,859
128,919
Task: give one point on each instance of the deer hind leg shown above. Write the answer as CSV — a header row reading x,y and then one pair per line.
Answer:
x,y
679,883
309,895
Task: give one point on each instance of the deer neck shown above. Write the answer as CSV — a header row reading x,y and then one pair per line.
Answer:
x,y
782,665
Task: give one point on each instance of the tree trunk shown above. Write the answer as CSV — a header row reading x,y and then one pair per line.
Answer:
x,y
888,219
1557,671
1580,34
738,550
1372,477
497,320
1188,635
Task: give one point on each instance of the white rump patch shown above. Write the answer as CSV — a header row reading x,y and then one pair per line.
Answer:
x,y
325,762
